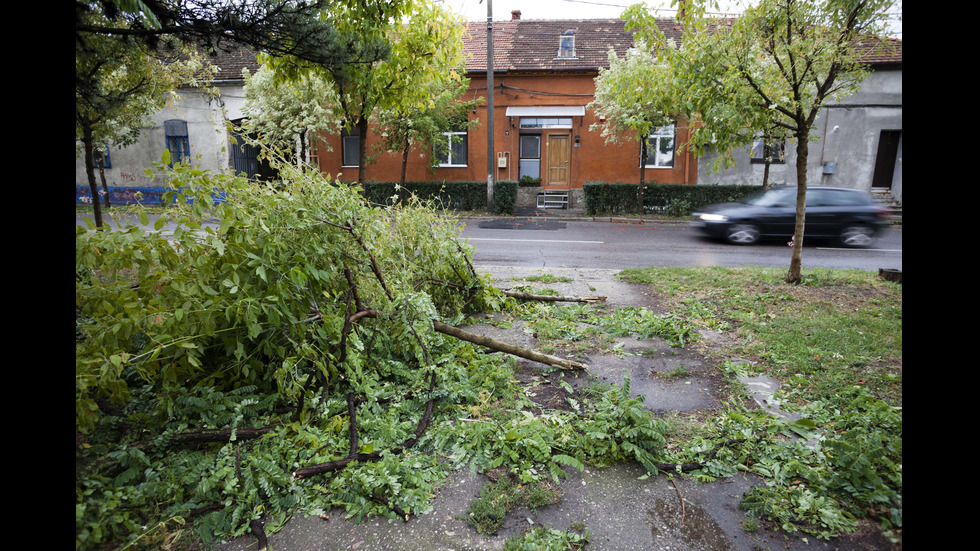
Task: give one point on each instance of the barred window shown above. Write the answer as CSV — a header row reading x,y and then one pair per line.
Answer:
x,y
177,140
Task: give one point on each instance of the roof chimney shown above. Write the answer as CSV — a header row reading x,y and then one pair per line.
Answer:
x,y
515,15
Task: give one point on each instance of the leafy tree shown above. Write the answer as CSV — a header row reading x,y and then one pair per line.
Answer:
x,y
770,70
288,117
118,85
397,52
424,127
633,97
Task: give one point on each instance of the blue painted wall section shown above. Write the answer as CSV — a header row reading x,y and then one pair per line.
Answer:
x,y
131,195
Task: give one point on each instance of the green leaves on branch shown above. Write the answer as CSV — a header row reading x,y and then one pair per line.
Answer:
x,y
769,70
259,296
632,96
242,324
400,58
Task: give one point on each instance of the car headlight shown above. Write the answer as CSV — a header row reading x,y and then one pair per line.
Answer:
x,y
713,217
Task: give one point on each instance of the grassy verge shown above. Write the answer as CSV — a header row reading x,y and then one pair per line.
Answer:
x,y
834,344
838,329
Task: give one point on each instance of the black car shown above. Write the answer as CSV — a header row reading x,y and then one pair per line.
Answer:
x,y
848,215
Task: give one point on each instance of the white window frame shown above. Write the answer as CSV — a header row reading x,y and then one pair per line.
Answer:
x,y
537,123
655,158
449,135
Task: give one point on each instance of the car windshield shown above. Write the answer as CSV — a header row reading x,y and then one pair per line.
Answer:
x,y
771,198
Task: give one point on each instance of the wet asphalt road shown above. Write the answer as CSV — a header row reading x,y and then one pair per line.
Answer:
x,y
578,242
544,243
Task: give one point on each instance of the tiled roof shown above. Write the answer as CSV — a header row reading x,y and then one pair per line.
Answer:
x,y
881,52
532,44
231,63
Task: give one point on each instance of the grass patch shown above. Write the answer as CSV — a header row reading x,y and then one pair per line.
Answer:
x,y
834,344
488,511
679,372
580,329
546,278
838,328
548,539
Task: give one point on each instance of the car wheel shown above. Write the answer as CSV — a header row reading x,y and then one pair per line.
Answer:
x,y
856,236
742,234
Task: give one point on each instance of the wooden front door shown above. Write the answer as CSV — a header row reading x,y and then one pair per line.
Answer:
x,y
559,154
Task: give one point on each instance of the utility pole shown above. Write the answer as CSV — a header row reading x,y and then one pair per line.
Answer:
x,y
491,167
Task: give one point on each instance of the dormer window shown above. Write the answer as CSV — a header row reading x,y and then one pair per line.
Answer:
x,y
566,44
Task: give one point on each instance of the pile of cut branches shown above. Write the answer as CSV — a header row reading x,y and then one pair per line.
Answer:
x,y
258,337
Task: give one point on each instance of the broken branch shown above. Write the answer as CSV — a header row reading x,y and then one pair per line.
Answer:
x,y
525,353
552,298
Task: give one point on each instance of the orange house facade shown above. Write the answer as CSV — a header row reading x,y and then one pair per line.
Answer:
x,y
543,78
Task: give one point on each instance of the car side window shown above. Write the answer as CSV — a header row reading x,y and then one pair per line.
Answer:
x,y
817,198
842,198
784,198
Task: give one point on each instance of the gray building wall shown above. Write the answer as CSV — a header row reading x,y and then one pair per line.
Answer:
x,y
206,133
844,151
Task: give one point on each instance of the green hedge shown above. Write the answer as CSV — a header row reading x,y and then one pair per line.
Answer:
x,y
452,195
670,199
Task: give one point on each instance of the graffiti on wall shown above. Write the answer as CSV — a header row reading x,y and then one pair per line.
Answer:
x,y
129,195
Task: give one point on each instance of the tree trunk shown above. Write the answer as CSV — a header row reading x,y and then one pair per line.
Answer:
x,y
405,161
796,263
105,187
302,148
88,141
362,131
767,153
765,173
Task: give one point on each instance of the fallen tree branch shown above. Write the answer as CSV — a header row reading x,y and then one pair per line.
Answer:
x,y
525,353
681,499
552,298
223,435
336,465
258,530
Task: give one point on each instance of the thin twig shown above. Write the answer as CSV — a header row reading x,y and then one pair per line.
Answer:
x,y
680,497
